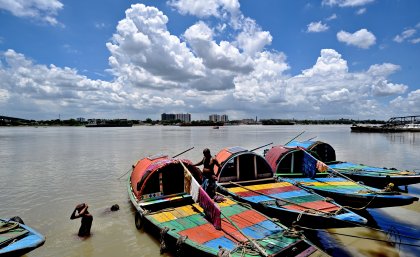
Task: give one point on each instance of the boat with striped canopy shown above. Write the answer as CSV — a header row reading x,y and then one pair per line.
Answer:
x,y
297,166
369,175
17,239
247,177
170,202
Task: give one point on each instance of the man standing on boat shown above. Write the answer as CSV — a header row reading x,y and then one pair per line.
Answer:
x,y
87,219
209,178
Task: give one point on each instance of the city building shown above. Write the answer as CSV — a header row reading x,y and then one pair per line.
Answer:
x,y
218,118
166,116
183,117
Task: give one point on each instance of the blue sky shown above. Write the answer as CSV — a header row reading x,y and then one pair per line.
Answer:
x,y
355,59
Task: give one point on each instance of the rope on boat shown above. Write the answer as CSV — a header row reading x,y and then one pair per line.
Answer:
x,y
179,245
361,237
163,233
284,200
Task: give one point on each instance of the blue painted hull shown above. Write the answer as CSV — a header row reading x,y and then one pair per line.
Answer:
x,y
352,194
25,244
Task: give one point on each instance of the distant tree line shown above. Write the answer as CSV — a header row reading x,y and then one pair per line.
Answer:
x,y
9,121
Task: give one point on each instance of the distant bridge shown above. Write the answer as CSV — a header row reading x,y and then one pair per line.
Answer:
x,y
404,120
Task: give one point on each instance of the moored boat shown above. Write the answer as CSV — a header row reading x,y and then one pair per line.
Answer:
x,y
169,201
369,175
17,239
247,177
297,166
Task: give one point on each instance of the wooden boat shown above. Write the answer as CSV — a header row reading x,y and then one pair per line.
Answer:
x,y
17,239
247,177
297,166
369,175
163,191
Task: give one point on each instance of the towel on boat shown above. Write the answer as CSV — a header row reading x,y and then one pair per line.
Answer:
x,y
199,195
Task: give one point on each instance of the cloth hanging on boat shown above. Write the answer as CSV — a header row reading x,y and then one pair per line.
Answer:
x,y
308,165
200,196
321,167
311,165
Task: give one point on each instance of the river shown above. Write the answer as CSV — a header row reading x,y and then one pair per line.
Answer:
x,y
46,171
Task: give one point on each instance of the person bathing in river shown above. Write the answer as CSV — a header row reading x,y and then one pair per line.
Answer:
x,y
209,178
87,218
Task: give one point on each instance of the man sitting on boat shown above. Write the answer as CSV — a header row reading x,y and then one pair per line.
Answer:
x,y
209,178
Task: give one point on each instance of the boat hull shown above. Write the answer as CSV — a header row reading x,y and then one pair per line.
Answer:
x,y
23,244
177,216
351,194
375,177
290,217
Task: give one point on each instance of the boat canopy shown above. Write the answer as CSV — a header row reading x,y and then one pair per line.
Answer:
x,y
323,151
284,159
240,164
160,175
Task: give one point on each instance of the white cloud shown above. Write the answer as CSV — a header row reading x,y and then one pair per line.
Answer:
x,y
409,104
415,40
42,10
198,72
361,38
224,56
406,34
383,88
144,53
252,39
361,11
266,83
205,8
332,17
317,27
346,3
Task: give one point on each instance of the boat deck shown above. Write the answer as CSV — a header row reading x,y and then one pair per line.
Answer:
x,y
294,197
189,220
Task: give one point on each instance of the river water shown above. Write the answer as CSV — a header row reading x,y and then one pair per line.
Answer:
x,y
46,171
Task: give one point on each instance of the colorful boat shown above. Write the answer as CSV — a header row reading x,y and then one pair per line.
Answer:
x,y
247,177
297,166
369,175
17,239
165,192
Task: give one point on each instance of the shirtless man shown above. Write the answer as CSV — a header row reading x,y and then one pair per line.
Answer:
x,y
87,218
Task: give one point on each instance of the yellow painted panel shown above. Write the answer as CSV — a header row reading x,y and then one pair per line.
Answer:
x,y
163,216
237,189
196,205
227,202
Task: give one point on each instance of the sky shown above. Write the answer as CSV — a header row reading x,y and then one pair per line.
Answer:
x,y
326,59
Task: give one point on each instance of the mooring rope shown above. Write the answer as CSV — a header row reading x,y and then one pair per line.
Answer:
x,y
361,237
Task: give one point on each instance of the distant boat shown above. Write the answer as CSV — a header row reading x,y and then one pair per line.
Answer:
x,y
168,202
17,239
297,166
247,177
216,127
394,124
369,175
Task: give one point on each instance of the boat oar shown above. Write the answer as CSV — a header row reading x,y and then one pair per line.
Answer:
x,y
261,147
183,152
310,139
295,137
